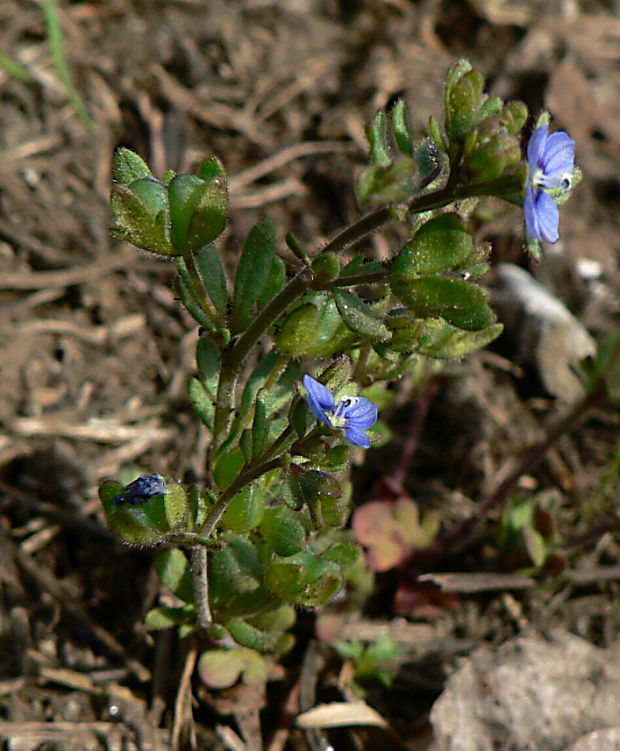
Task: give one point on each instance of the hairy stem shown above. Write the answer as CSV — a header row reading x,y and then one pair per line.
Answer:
x,y
201,585
223,502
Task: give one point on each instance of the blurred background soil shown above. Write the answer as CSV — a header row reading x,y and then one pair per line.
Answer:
x,y
95,351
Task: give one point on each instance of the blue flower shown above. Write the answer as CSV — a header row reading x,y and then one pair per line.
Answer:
x,y
353,414
551,159
140,490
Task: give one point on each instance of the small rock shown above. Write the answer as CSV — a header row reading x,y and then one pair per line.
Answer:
x,y
548,335
530,693
599,740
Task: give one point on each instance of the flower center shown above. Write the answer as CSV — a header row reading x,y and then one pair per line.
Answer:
x,y
540,180
339,415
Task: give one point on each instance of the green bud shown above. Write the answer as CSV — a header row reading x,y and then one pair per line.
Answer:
x,y
394,184
141,213
326,267
514,116
303,579
493,151
463,102
198,209
440,244
148,522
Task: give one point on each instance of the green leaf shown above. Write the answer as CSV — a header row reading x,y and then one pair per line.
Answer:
x,y
222,668
360,317
345,554
209,361
378,139
245,444
245,510
315,329
201,402
300,418
127,166
252,271
275,282
167,617
135,221
435,337
440,244
303,579
227,468
211,272
234,570
188,297
535,545
461,303
250,636
322,494
402,128
283,534
260,428
175,573
435,133
274,619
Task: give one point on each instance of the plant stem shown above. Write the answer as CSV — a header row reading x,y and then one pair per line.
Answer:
x,y
235,354
268,315
201,585
224,402
353,280
223,502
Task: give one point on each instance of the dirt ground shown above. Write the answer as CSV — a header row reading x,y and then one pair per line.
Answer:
x,y
95,350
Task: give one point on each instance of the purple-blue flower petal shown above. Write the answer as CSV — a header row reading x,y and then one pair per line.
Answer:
x,y
536,145
548,216
141,489
357,437
559,155
320,399
529,209
363,414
